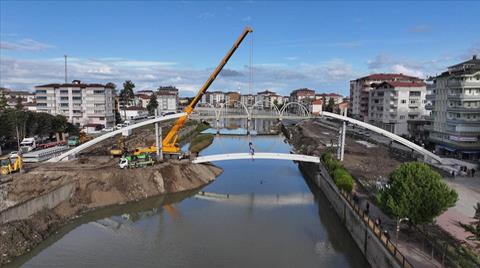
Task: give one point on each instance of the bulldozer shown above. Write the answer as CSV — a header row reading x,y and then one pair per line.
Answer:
x,y
9,165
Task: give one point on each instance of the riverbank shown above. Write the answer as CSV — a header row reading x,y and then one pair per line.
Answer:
x,y
92,183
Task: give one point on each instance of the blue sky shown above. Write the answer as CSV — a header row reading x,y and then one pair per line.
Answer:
x,y
320,45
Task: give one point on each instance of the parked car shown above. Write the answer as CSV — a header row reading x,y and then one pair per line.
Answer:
x,y
107,129
119,126
13,154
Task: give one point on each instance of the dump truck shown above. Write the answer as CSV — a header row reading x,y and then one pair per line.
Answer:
x,y
9,165
133,161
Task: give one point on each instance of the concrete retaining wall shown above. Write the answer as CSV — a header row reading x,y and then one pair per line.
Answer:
x,y
372,248
34,205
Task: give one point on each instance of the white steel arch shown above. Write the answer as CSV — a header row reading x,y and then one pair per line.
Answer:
x,y
225,108
86,145
304,109
427,154
246,156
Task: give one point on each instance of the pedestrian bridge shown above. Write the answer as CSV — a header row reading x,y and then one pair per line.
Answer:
x,y
248,156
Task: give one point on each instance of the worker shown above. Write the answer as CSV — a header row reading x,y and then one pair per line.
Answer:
x,y
252,150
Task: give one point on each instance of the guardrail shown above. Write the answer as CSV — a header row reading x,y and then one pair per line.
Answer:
x,y
377,231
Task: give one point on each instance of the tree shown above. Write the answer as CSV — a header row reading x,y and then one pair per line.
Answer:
x,y
19,104
152,104
3,102
127,94
473,227
330,105
416,192
112,86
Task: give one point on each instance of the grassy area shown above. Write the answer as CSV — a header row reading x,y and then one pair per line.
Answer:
x,y
200,142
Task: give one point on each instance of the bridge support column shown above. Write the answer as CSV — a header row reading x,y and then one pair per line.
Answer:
x,y
341,138
158,138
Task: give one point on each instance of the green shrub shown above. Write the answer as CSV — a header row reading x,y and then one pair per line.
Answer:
x,y
340,175
344,181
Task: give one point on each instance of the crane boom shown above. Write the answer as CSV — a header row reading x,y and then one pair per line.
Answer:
x,y
169,143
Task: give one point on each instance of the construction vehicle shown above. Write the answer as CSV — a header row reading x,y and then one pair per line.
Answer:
x,y
9,165
28,144
73,141
149,150
84,138
169,143
134,161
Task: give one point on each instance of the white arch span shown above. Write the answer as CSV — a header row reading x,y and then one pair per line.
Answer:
x,y
427,154
84,146
247,156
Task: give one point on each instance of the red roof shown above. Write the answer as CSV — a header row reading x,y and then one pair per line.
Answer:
x,y
319,102
143,96
404,84
383,76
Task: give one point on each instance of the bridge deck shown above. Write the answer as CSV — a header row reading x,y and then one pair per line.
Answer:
x,y
246,156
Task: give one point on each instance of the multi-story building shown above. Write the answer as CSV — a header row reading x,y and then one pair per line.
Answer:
x,y
337,98
80,103
360,88
232,99
167,98
455,116
13,97
142,100
247,100
302,95
392,104
213,98
266,99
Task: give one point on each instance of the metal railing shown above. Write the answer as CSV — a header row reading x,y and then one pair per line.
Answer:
x,y
377,231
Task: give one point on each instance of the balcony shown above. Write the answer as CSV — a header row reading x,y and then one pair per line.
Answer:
x,y
462,84
463,96
463,109
462,121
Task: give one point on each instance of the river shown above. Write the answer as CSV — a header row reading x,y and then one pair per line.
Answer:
x,y
259,213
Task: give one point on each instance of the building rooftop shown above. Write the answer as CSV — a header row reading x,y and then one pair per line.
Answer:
x,y
388,76
473,63
402,84
75,83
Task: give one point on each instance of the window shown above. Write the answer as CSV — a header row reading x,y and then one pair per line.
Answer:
x,y
404,101
41,104
98,91
402,117
63,104
41,91
41,98
64,91
76,91
64,98
77,98
415,93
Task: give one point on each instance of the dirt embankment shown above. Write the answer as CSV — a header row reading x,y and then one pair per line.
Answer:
x,y
367,164
98,183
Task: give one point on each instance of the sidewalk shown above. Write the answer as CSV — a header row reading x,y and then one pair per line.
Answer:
x,y
468,189
410,248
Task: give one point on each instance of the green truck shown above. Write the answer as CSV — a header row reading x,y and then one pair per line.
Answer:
x,y
73,141
132,161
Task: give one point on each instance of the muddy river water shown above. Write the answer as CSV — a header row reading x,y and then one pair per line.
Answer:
x,y
258,213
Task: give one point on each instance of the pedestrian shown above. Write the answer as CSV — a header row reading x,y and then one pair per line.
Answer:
x,y
355,198
378,222
367,209
453,174
386,234
473,172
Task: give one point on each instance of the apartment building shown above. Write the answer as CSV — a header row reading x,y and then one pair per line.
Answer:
x,y
13,97
267,99
392,104
167,98
232,99
247,100
337,98
360,88
455,110
80,103
302,95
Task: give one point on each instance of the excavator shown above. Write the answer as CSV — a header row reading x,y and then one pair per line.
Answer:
x,y
169,143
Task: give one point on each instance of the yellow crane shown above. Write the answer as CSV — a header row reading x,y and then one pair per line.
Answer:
x,y
169,143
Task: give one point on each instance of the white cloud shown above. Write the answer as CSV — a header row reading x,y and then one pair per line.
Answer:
x,y
247,18
26,74
24,45
399,68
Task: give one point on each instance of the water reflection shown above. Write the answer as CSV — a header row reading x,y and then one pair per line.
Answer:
x,y
258,213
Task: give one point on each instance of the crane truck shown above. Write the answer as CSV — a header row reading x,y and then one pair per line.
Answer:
x,y
169,143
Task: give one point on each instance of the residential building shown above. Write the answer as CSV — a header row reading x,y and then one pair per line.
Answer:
x,y
360,88
266,99
455,116
232,99
302,95
167,98
217,98
79,102
145,92
247,99
392,104
337,98
142,99
316,106
14,96
133,112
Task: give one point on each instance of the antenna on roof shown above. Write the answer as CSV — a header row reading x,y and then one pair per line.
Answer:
x,y
65,68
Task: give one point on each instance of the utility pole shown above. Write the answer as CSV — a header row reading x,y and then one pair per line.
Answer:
x,y
344,131
65,68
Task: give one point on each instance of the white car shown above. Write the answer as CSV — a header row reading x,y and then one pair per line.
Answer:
x,y
13,154
107,129
119,126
